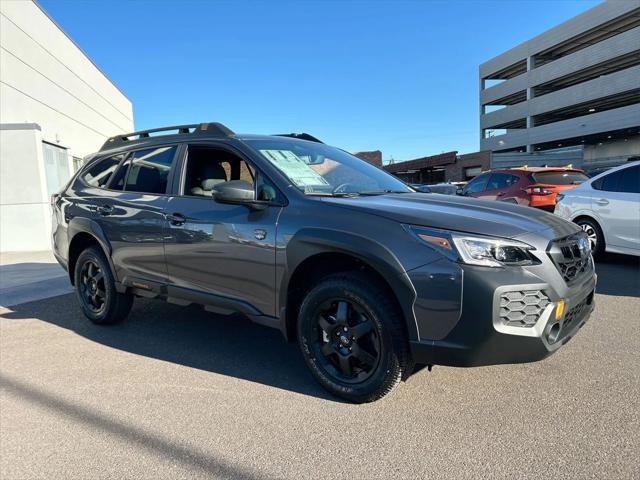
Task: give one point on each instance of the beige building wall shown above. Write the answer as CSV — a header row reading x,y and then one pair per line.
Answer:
x,y
55,105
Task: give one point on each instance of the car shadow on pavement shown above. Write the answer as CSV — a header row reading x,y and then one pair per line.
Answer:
x,y
228,345
618,275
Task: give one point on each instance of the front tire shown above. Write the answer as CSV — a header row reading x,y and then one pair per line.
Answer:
x,y
352,337
96,290
594,232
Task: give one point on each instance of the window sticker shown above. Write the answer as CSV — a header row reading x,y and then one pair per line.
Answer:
x,y
294,167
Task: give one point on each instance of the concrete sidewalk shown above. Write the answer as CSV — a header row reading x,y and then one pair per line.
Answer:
x,y
29,276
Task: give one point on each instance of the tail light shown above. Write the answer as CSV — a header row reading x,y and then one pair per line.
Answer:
x,y
537,191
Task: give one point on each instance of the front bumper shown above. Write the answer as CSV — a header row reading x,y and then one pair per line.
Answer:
x,y
478,336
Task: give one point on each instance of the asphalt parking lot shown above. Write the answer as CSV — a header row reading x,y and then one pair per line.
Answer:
x,y
180,393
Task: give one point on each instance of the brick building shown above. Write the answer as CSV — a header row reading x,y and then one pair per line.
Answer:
x,y
374,157
444,167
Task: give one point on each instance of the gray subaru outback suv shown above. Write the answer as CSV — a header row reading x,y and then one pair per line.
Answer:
x,y
374,280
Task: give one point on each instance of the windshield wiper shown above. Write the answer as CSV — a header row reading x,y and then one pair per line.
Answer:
x,y
333,194
365,193
382,192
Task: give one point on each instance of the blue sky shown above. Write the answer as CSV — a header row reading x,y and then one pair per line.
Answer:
x,y
398,76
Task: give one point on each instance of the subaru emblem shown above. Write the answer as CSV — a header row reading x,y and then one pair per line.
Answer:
x,y
584,246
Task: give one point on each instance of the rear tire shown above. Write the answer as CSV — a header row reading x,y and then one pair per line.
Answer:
x,y
596,237
96,290
353,338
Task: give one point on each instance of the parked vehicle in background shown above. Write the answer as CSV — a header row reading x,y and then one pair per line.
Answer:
x,y
607,208
418,187
534,187
445,188
374,280
596,171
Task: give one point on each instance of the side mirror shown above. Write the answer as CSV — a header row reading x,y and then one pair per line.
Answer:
x,y
234,191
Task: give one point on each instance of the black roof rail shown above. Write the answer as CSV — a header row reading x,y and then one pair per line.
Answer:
x,y
301,136
213,129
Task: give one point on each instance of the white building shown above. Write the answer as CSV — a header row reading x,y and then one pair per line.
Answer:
x,y
56,106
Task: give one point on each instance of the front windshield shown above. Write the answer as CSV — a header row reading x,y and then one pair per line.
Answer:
x,y
319,169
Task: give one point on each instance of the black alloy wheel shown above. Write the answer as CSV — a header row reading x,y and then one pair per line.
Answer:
x,y
92,286
352,336
96,289
346,342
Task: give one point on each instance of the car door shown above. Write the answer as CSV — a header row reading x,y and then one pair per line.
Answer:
x,y
616,202
496,187
220,253
513,191
131,213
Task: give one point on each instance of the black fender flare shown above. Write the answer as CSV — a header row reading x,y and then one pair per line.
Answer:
x,y
86,225
308,242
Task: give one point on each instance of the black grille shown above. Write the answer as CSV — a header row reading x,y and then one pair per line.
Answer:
x,y
570,259
576,311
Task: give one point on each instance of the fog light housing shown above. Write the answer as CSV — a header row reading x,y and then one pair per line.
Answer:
x,y
553,333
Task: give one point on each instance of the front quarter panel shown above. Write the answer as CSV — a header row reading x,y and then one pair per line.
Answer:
x,y
381,243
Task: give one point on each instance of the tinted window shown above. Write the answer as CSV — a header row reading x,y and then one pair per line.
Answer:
x,y
265,191
99,174
477,184
608,183
501,180
149,170
208,167
559,178
630,180
117,182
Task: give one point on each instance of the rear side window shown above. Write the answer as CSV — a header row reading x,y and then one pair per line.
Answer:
x,y
149,170
117,181
559,178
627,180
608,183
477,184
501,180
100,173
630,180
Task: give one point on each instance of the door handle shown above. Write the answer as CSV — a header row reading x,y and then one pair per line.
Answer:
x,y
176,219
105,210
602,201
500,194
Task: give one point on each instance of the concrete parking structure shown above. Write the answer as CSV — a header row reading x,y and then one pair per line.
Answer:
x,y
575,85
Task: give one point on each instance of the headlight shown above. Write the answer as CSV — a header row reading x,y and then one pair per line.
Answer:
x,y
493,252
473,250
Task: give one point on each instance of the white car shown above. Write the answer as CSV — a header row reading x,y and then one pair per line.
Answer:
x,y
607,207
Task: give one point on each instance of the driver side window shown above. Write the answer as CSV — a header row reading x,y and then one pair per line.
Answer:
x,y
208,167
477,184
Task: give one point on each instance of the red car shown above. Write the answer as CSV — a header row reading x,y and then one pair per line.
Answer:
x,y
533,186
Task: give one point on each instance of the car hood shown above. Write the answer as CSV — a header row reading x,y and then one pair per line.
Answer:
x,y
461,214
